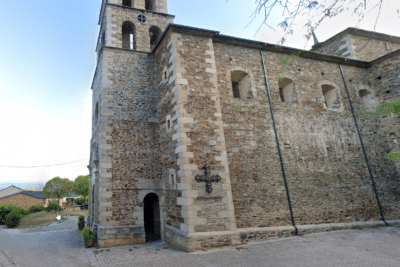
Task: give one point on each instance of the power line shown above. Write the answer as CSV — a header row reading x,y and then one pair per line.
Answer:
x,y
43,166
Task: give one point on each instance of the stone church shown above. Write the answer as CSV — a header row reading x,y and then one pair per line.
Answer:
x,y
204,140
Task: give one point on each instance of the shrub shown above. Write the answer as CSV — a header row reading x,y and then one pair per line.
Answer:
x,y
13,219
5,209
81,222
36,208
18,209
80,201
87,233
53,205
81,225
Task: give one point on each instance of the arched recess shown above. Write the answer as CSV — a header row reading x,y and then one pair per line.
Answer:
x,y
287,90
155,34
150,5
331,96
241,84
367,97
152,218
127,3
128,35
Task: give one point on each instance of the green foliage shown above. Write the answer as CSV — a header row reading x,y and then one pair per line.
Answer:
x,y
13,219
53,205
81,222
57,188
393,155
286,61
385,109
81,201
5,209
36,208
81,186
87,233
81,225
18,209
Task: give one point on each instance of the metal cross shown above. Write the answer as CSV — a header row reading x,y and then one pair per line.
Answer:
x,y
208,178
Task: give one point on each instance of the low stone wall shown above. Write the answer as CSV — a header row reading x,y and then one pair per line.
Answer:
x,y
215,240
120,236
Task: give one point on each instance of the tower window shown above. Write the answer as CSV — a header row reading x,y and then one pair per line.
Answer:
x,y
241,84
96,112
142,18
155,34
331,96
128,35
127,3
150,5
287,90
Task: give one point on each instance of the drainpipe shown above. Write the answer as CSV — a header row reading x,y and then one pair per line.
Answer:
x,y
279,148
363,149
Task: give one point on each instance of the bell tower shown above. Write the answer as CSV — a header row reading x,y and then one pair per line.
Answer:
x,y
124,163
133,24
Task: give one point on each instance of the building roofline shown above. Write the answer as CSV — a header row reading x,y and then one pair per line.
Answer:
x,y
22,192
104,3
11,186
220,38
363,33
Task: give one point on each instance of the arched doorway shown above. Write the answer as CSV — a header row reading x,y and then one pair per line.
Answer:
x,y
152,224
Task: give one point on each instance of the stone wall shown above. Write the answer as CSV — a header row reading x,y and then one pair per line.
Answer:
x,y
117,15
340,46
201,128
325,167
167,113
366,46
385,79
369,48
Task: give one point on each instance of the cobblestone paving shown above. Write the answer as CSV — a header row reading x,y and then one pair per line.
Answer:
x,y
359,248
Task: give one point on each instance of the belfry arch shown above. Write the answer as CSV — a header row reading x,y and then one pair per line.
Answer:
x,y
150,5
152,218
128,35
155,34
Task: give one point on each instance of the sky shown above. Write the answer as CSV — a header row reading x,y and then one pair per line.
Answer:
x,y
47,62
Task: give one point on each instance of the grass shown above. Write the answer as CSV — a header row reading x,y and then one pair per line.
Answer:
x,y
44,218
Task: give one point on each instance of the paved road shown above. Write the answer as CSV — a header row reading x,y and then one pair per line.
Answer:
x,y
51,246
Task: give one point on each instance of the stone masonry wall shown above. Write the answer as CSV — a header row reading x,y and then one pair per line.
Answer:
x,y
117,15
385,79
202,138
325,168
369,49
167,111
340,46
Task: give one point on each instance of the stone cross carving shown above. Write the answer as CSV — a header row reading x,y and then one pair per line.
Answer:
x,y
208,178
